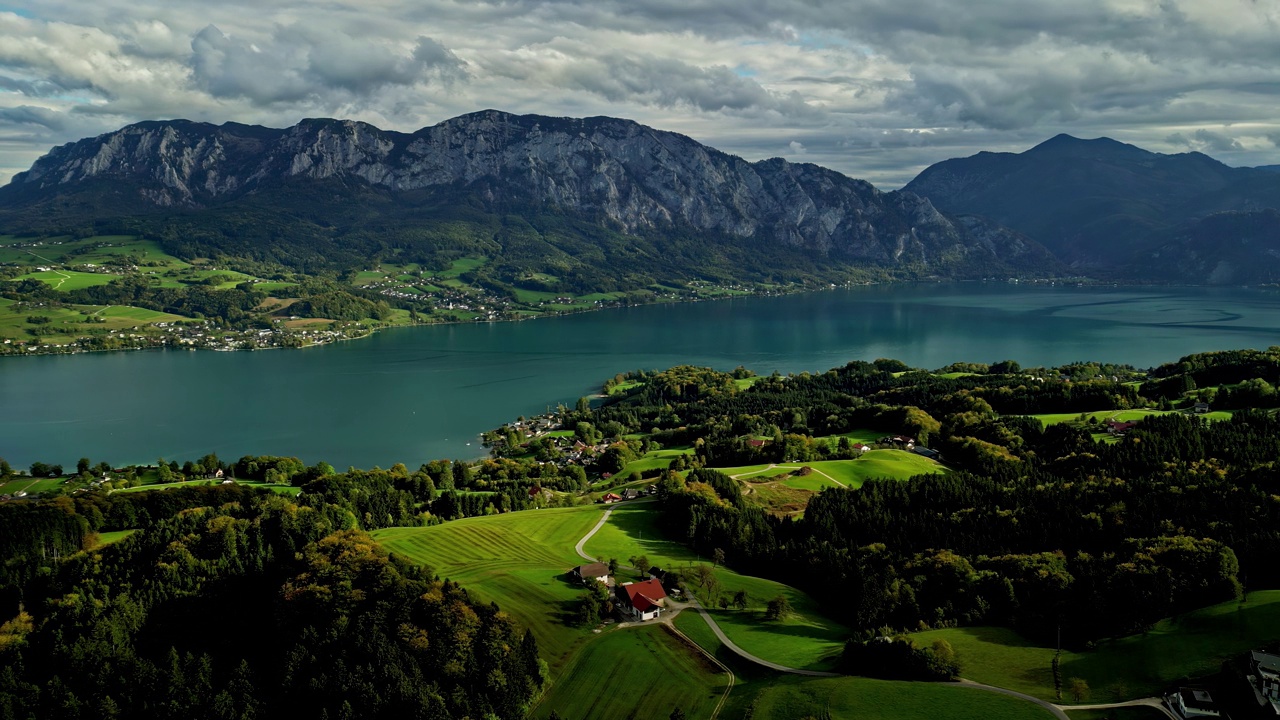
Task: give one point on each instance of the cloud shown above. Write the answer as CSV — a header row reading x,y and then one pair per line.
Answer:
x,y
797,148
873,88
648,80
1203,140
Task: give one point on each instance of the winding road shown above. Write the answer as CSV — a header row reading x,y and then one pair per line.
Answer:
x,y
1058,711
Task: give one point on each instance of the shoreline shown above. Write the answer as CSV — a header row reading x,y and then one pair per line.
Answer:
x,y
369,332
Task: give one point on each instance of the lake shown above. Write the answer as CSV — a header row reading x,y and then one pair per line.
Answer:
x,y
414,394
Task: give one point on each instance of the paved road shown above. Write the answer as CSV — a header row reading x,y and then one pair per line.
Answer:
x,y
1156,703
1056,710
1053,709
603,518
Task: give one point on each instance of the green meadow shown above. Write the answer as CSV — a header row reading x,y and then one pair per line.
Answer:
x,y
760,693
69,279
115,536
1103,416
1187,646
643,672
891,464
518,560
806,639
1140,712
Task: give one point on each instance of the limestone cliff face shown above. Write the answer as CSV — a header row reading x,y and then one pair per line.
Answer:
x,y
616,171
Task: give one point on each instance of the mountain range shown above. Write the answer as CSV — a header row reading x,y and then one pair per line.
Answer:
x,y
601,203
540,196
1111,209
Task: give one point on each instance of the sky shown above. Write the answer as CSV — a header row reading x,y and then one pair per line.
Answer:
x,y
876,89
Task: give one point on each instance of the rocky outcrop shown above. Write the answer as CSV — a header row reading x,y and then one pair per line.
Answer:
x,y
615,171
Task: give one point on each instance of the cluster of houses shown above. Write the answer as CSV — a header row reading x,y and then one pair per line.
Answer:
x,y
1264,680
636,601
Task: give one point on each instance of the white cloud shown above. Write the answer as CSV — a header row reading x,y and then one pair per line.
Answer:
x,y
873,88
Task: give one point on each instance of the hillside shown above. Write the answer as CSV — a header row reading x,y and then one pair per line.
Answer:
x,y
1110,208
621,204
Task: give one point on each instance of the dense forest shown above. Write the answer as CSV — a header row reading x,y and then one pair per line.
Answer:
x,y
1046,529
232,602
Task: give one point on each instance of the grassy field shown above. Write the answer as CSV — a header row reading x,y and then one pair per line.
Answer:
x,y
1191,645
115,536
1121,416
807,639
653,461
97,250
30,486
69,279
759,693
281,489
643,672
70,322
518,560
1125,713
893,464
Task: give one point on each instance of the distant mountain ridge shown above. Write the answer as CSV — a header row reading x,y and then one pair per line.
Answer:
x,y
338,179
1109,208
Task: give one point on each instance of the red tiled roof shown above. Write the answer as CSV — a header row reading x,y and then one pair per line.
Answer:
x,y
644,596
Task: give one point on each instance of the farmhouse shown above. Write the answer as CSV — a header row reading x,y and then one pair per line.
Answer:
x,y
610,498
641,600
1201,407
1118,428
926,452
597,571
1193,703
1265,679
860,448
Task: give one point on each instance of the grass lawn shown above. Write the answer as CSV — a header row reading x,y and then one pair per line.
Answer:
x,y
641,672
518,560
114,536
30,485
760,693
459,266
70,279
868,699
894,464
1190,645
653,461
1123,415
862,435
807,639
1125,713
70,322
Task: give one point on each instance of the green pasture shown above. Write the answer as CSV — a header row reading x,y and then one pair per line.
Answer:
x,y
518,560
641,672
271,286
369,277
71,321
459,266
893,464
1122,416
1139,712
69,279
1189,645
868,699
654,460
97,250
530,297
115,536
806,639
273,487
761,693
31,486
866,436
